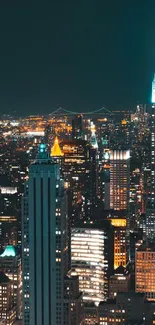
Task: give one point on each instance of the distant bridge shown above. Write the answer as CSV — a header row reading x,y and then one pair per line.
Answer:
x,y
61,111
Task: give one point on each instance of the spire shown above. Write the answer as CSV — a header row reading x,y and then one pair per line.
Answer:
x,y
153,90
55,150
42,152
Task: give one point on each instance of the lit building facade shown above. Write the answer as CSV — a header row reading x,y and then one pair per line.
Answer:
x,y
120,254
8,230
7,309
145,270
119,179
92,259
10,264
45,245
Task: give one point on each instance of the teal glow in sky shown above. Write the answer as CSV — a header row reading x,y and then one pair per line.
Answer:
x,y
9,251
153,90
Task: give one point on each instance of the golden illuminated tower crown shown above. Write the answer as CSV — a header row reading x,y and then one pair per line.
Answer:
x,y
55,150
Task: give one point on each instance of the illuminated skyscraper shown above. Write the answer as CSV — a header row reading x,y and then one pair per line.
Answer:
x,y
119,179
145,270
7,309
45,246
120,255
92,259
10,264
150,212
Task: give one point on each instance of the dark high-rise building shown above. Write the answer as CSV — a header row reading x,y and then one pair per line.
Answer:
x,y
45,247
77,173
77,127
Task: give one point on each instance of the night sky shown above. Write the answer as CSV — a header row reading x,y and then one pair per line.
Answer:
x,y
77,54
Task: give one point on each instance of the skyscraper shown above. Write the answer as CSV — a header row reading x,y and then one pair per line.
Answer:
x,y
153,147
150,212
10,264
45,245
119,179
7,309
92,259
145,270
120,254
77,127
76,169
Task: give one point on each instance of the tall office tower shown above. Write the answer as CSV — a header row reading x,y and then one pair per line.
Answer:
x,y
119,179
106,179
7,309
10,264
93,138
120,254
77,127
93,178
45,245
145,270
76,169
92,259
150,212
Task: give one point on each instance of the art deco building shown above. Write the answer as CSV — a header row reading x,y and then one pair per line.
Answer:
x,y
120,254
56,150
45,246
10,264
119,179
92,259
145,270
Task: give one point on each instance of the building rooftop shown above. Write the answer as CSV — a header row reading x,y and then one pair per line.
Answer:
x,y
120,270
56,150
100,224
147,247
9,251
74,142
